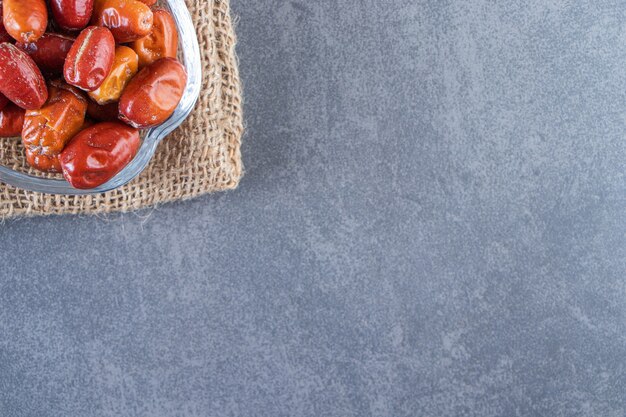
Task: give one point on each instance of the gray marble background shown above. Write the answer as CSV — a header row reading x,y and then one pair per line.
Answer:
x,y
432,223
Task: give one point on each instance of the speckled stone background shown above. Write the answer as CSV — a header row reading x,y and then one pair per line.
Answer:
x,y
432,223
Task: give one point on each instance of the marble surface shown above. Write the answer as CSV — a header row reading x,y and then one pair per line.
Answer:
x,y
432,223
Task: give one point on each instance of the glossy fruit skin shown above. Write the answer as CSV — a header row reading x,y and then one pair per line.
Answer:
x,y
152,95
72,14
20,78
25,20
162,42
43,163
49,52
47,130
11,121
4,37
107,113
98,153
90,59
148,2
125,66
128,20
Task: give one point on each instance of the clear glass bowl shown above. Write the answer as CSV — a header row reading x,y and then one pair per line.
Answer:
x,y
189,54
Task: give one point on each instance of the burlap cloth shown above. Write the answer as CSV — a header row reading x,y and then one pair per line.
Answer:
x,y
201,156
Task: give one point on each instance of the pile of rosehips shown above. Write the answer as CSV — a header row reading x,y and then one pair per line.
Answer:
x,y
78,78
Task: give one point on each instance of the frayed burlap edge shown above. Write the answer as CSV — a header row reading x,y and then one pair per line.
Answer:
x,y
200,157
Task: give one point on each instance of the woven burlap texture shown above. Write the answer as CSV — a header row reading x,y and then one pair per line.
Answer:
x,y
201,156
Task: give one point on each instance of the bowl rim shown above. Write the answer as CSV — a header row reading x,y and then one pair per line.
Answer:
x,y
190,51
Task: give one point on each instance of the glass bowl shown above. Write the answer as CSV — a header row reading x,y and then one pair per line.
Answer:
x,y
189,55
